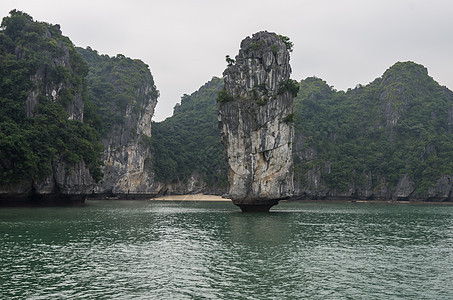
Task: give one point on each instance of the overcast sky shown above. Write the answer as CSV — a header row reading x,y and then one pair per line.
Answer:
x,y
344,42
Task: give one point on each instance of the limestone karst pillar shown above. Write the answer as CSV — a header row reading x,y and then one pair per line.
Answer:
x,y
256,120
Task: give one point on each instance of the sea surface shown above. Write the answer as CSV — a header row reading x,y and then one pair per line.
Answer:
x,y
210,250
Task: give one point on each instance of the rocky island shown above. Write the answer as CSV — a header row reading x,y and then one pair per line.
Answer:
x,y
75,124
255,115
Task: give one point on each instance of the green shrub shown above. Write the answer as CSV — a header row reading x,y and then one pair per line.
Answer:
x,y
289,85
290,118
288,43
223,97
229,60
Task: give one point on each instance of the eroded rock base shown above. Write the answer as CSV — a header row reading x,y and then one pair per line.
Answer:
x,y
265,207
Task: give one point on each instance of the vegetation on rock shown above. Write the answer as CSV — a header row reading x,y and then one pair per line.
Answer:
x,y
374,135
113,85
223,96
290,85
189,141
35,56
229,60
289,45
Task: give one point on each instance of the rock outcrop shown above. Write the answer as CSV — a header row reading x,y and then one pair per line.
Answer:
x,y
389,140
255,115
61,108
124,92
126,154
54,79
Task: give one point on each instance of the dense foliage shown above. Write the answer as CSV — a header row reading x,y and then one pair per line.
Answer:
x,y
113,85
189,141
397,125
29,145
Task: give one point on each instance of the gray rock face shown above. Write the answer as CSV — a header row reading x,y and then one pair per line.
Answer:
x,y
255,120
52,89
66,180
69,180
442,191
126,168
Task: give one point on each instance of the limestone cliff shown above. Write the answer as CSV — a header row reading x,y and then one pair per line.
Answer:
x,y
55,110
126,168
255,116
66,178
125,96
46,149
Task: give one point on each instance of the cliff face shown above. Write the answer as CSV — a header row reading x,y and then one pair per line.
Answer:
x,y
56,109
47,84
124,93
66,178
47,150
255,117
126,169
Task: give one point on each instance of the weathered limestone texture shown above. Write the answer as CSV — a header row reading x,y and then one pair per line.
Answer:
x,y
126,168
255,116
66,181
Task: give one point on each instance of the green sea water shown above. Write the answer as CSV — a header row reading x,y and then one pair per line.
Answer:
x,y
210,250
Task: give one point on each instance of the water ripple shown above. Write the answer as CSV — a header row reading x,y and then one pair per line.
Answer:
x,y
143,250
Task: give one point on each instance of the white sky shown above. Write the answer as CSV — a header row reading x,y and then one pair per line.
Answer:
x,y
345,42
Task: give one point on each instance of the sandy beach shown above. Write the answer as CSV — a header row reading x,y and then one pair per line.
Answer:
x,y
194,197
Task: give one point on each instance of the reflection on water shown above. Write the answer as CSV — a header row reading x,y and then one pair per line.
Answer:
x,y
169,250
